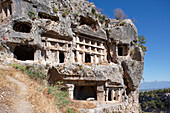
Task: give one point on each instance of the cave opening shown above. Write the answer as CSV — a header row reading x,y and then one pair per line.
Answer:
x,y
24,27
47,16
120,51
87,58
88,21
61,57
24,52
84,92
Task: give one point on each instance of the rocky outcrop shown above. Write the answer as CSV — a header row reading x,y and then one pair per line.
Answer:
x,y
81,46
91,73
132,73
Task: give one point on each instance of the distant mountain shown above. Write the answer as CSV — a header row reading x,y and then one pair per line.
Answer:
x,y
154,85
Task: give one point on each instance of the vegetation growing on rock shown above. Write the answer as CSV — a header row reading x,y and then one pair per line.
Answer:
x,y
141,43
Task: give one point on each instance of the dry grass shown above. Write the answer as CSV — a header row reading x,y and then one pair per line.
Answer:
x,y
90,64
42,103
38,95
7,89
82,104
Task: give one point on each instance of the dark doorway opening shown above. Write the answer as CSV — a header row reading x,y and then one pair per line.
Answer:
x,y
24,27
61,57
47,16
24,52
88,21
120,51
87,58
84,92
110,95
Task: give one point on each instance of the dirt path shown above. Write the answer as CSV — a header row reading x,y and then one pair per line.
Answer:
x,y
21,104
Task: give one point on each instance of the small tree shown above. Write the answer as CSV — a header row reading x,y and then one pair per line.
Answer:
x,y
119,14
141,42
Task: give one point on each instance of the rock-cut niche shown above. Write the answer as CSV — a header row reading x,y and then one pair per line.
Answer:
x,y
89,21
122,50
61,57
24,52
87,58
84,92
24,27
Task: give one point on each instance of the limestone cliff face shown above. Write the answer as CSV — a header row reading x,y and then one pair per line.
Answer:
x,y
89,52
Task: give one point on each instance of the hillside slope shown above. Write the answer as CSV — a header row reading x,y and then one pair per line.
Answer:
x,y
155,101
30,93
19,94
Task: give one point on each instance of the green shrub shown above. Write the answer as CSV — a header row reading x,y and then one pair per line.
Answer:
x,y
122,23
76,14
120,69
153,99
66,12
55,9
18,66
70,110
141,43
60,96
93,11
31,14
36,72
102,18
81,67
32,71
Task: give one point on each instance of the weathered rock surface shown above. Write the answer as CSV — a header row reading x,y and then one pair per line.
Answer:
x,y
132,73
92,73
67,35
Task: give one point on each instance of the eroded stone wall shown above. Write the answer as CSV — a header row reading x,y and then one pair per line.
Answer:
x,y
82,47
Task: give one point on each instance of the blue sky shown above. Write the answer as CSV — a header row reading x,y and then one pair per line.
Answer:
x,y
153,21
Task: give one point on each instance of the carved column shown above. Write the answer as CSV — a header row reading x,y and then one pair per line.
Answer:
x,y
65,57
100,93
112,95
92,59
72,57
37,55
95,59
107,92
101,57
70,90
78,56
77,39
119,95
83,40
83,57
57,56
